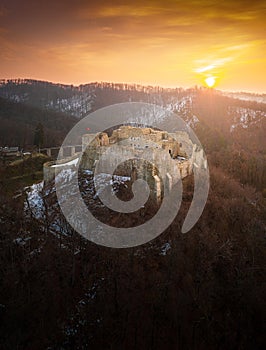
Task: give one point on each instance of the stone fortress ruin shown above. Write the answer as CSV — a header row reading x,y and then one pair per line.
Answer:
x,y
155,156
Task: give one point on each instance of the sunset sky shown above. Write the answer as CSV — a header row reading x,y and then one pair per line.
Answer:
x,y
166,43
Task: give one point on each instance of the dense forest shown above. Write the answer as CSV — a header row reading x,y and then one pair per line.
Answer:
x,y
201,290
19,122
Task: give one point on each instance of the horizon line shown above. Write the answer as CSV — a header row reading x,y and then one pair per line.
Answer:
x,y
196,86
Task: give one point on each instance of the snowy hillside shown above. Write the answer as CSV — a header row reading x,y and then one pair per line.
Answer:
x,y
260,98
230,110
245,117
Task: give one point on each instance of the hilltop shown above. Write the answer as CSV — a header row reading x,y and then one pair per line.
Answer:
x,y
231,130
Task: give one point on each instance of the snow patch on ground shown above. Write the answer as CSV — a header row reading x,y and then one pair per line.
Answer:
x,y
102,180
165,248
21,241
78,320
244,117
34,202
183,108
65,175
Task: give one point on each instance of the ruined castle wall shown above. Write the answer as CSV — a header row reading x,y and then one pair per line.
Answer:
x,y
95,140
50,172
183,138
89,139
171,145
185,168
134,146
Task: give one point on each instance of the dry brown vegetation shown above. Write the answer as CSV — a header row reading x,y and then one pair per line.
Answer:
x,y
206,293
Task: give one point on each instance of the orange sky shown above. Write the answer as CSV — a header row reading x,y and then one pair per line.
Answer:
x,y
167,43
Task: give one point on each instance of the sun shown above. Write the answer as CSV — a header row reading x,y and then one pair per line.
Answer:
x,y
210,81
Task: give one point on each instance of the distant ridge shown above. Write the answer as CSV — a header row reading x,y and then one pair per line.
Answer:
x,y
230,127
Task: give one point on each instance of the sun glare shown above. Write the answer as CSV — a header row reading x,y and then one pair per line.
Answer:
x,y
210,81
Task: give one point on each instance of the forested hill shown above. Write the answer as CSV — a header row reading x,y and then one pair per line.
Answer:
x,y
232,130
18,123
75,100
237,121
79,100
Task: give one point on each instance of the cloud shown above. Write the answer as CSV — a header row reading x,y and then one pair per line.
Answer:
x,y
170,38
223,56
216,63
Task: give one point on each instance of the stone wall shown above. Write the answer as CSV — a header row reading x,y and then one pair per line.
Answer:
x,y
143,153
96,140
161,139
49,171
